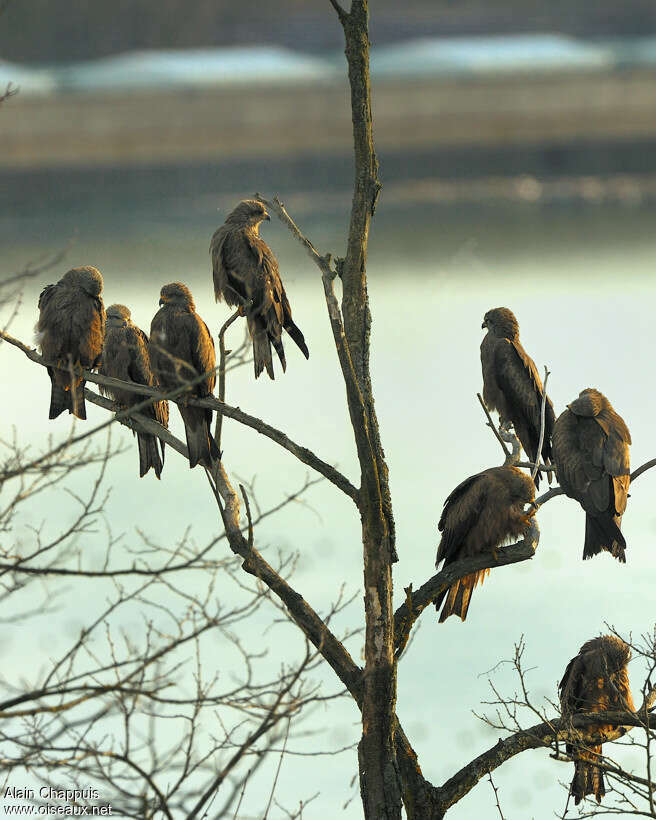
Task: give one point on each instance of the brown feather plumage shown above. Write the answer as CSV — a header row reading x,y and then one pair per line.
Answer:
x,y
182,349
512,385
596,680
70,332
245,273
591,449
125,356
479,515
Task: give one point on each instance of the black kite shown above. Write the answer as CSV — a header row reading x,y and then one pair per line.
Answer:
x,y
246,275
182,349
482,513
70,332
125,356
591,450
596,680
512,385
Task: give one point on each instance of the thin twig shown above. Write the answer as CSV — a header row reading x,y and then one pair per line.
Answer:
x,y
322,262
542,467
10,91
643,469
275,779
551,493
543,411
248,515
222,371
496,795
492,426
241,794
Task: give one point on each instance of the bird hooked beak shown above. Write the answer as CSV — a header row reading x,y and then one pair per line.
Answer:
x,y
267,218
484,324
161,302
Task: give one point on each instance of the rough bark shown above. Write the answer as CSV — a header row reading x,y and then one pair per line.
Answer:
x,y
379,776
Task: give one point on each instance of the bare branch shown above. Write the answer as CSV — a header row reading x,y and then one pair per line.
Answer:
x,y
542,735
299,610
9,91
302,453
341,13
406,615
322,262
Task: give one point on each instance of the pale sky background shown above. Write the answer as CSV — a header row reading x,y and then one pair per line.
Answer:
x,y
580,281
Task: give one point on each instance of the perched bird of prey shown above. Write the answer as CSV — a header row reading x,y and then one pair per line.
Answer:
x,y
595,680
125,356
70,332
246,275
512,385
481,513
591,450
182,349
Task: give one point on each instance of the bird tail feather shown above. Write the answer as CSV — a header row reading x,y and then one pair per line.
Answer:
x,y
65,395
277,343
602,533
588,778
295,332
262,353
59,399
149,455
78,405
202,447
458,596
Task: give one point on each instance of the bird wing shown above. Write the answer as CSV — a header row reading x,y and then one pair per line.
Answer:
x,y
139,368
140,371
594,454
462,509
88,325
577,443
570,687
46,295
219,271
616,460
71,323
263,284
202,353
53,324
48,335
170,346
245,270
519,380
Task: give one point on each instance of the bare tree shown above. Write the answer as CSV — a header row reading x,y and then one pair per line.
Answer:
x,y
57,723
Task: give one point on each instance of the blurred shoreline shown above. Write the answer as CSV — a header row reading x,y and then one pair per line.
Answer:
x,y
222,124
